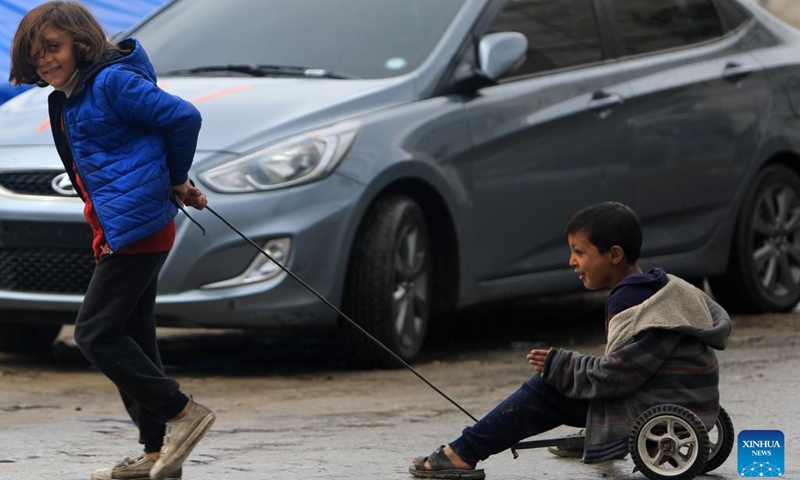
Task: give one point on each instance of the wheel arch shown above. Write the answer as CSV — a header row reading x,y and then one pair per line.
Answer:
x,y
733,288
787,158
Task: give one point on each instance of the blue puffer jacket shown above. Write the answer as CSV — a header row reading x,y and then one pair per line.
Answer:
x,y
130,141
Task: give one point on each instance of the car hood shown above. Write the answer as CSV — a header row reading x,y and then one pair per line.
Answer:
x,y
239,114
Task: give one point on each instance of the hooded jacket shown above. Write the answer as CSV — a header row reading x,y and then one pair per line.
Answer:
x,y
660,351
129,140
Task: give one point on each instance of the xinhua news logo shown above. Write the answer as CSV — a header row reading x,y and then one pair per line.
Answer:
x,y
761,453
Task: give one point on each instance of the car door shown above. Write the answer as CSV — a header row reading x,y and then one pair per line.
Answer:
x,y
547,140
699,99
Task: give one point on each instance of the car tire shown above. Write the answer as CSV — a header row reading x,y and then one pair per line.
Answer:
x,y
764,270
27,338
388,285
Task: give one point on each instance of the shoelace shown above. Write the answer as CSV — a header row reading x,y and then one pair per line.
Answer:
x,y
129,461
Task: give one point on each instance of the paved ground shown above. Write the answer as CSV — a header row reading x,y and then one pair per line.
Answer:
x,y
788,10
292,410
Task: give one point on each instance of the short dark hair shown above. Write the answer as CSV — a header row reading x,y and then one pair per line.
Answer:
x,y
607,224
90,40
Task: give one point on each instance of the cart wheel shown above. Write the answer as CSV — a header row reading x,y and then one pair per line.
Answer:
x,y
669,442
721,440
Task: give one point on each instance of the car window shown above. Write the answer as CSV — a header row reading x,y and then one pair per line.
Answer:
x,y
561,33
650,25
361,38
735,15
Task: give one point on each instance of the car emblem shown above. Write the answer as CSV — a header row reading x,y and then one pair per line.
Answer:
x,y
62,185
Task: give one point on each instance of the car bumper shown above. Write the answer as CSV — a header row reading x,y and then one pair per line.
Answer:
x,y
317,219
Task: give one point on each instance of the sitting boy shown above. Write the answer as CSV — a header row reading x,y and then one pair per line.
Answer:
x,y
660,334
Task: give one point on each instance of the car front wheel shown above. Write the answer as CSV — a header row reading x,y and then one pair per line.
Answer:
x,y
389,284
764,270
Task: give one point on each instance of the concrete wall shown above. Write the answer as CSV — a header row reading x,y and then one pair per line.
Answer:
x,y
788,10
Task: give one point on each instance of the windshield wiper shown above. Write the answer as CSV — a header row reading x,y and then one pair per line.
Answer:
x,y
265,70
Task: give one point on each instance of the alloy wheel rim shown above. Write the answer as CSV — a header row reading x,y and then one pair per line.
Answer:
x,y
775,241
410,295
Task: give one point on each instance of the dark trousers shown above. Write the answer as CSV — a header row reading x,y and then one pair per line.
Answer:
x,y
116,331
533,409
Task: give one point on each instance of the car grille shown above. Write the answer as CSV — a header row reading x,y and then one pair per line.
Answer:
x,y
30,183
45,257
45,270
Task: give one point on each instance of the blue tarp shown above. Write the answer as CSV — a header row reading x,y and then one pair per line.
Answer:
x,y
114,15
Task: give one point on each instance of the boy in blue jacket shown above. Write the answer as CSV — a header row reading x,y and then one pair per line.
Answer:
x,y
127,146
661,336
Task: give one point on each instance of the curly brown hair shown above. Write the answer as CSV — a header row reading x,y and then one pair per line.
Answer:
x,y
90,41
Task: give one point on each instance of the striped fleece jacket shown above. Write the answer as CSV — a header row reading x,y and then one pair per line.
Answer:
x,y
659,351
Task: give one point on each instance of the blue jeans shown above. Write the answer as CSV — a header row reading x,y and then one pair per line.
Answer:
x,y
116,331
533,409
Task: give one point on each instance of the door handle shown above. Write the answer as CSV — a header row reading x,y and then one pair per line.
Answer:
x,y
735,72
601,102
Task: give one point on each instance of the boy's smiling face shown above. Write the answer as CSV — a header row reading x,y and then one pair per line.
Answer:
x,y
54,57
596,270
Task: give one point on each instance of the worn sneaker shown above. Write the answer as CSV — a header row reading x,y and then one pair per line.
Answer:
x,y
132,469
180,439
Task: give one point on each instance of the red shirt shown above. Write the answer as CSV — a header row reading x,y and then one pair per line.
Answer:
x,y
160,241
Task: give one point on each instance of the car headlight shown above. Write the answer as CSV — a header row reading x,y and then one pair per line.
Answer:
x,y
298,159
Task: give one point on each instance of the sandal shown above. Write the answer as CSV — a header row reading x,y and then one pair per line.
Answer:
x,y
442,467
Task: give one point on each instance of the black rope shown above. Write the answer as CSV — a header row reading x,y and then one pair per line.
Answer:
x,y
343,315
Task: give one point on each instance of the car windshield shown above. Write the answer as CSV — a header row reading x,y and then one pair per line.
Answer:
x,y
330,38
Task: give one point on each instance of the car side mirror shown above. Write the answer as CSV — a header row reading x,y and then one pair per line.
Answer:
x,y
499,52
